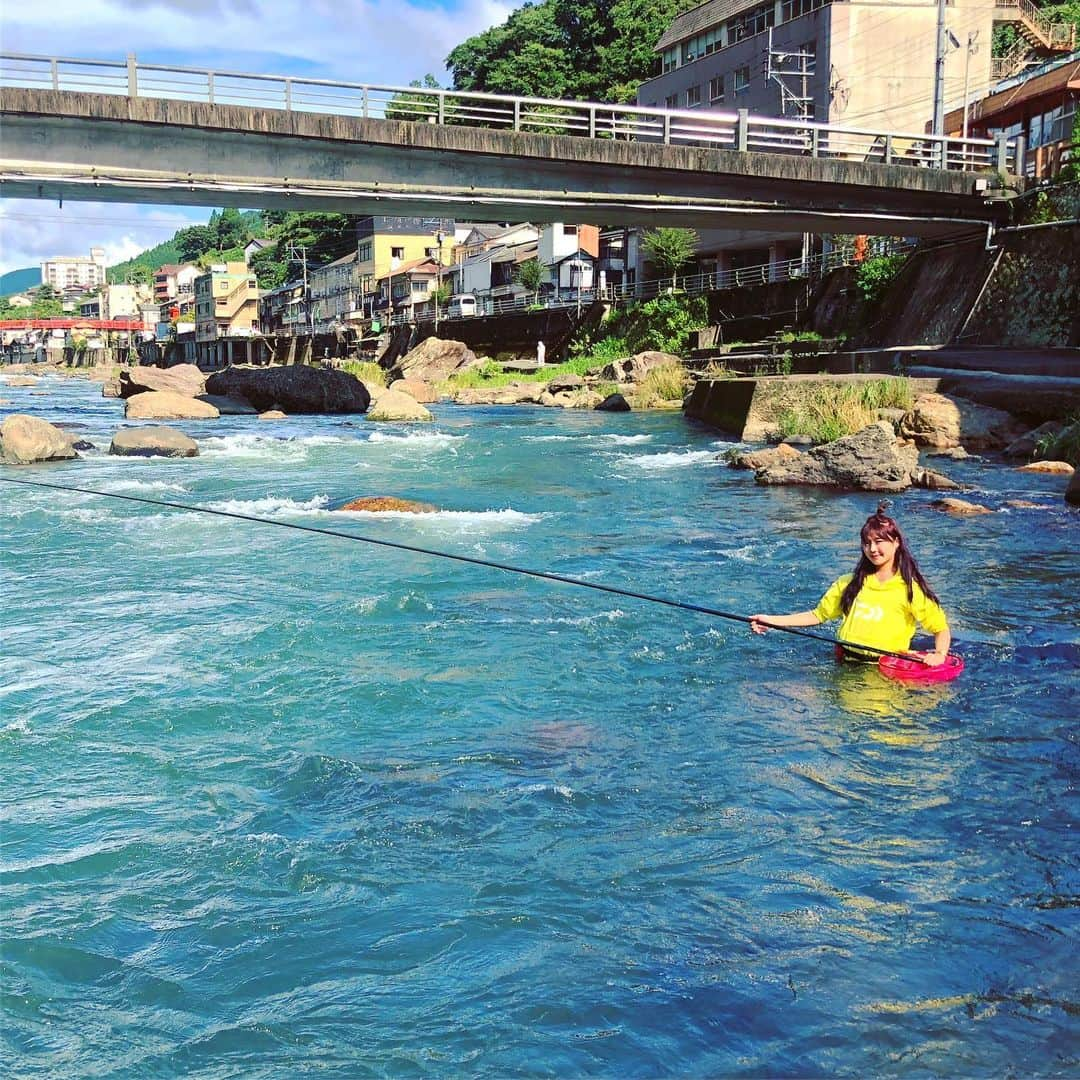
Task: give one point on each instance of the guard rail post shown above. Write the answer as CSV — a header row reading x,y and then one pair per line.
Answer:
x,y
132,76
742,134
888,150
54,70
1001,153
210,87
1021,155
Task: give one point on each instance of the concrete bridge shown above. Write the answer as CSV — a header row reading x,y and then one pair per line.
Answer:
x,y
134,137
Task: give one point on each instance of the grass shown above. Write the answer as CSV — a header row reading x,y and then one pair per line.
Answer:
x,y
666,382
1062,447
366,372
597,353
831,411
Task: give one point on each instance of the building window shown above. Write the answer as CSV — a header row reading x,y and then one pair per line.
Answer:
x,y
716,90
792,9
671,101
397,253
671,60
363,252
742,80
693,96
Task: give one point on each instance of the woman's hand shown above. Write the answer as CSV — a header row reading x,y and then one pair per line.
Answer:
x,y
935,658
758,625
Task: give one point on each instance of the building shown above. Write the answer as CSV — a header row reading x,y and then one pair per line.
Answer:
x,y
405,293
284,310
175,281
385,244
1040,105
568,254
226,307
483,237
856,63
338,293
75,273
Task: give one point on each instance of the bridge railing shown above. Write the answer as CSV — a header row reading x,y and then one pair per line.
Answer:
x,y
738,130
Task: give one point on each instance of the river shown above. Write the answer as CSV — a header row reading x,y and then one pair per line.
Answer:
x,y
278,803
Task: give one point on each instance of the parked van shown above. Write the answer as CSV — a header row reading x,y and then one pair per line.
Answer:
x,y
461,306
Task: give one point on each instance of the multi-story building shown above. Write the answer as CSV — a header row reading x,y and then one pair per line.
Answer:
x,y
75,273
338,291
1040,105
405,292
284,310
388,243
226,307
175,281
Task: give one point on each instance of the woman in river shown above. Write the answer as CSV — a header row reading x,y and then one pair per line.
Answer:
x,y
881,602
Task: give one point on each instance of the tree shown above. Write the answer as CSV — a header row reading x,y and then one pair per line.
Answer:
x,y
529,275
669,249
416,107
1070,171
194,241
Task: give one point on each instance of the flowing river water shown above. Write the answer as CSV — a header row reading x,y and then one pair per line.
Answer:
x,y
276,803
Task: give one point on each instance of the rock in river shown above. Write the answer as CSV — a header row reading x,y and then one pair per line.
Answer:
x,y
184,379
295,388
26,439
168,405
380,504
153,442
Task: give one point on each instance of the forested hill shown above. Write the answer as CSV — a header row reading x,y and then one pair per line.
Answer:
x,y
596,50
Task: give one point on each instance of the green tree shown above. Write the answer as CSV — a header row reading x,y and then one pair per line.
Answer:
x,y
670,249
193,241
415,107
529,275
269,268
1070,171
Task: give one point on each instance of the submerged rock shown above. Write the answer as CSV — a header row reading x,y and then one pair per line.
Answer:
x,y
375,504
296,389
1059,468
934,481
960,507
153,442
26,439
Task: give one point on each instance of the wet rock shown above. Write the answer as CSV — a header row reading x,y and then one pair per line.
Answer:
x,y
1024,447
761,459
797,440
228,406
960,507
521,393
417,389
1025,504
153,442
26,439
375,504
934,481
939,421
433,360
569,381
571,399
20,380
1072,492
635,368
614,403
957,453
273,414
110,388
184,379
167,405
394,405
1057,468
870,460
296,389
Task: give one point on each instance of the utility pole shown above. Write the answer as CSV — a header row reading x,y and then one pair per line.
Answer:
x,y
939,71
298,253
778,68
972,48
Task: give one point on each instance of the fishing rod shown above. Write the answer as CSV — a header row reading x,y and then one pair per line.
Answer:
x,y
432,552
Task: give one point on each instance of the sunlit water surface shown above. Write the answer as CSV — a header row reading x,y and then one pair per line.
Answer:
x,y
276,802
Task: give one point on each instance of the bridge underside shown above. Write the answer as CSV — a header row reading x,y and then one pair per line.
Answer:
x,y
101,148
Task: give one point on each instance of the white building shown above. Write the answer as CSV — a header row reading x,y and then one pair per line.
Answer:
x,y
74,272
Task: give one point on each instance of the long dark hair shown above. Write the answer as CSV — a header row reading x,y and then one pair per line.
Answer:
x,y
880,526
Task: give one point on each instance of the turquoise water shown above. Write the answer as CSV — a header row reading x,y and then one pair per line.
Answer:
x,y
276,803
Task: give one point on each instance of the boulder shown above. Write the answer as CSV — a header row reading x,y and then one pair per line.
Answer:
x,y
153,442
394,405
295,388
26,439
517,393
760,459
184,379
569,381
1025,446
228,406
957,453
375,504
417,389
960,507
1059,468
21,380
934,481
939,421
273,414
870,460
167,405
1072,492
110,388
635,368
571,399
1025,504
433,360
614,403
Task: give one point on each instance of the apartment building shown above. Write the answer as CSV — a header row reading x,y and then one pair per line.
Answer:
x,y
75,273
384,244
175,281
226,307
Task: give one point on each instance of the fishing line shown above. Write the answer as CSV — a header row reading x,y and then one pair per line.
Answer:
x,y
472,560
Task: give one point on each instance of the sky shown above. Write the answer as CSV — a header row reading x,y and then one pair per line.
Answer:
x,y
377,41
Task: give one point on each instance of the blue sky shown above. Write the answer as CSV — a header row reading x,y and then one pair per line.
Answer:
x,y
378,41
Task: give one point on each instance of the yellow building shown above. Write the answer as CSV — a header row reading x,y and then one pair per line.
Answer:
x,y
385,244
226,307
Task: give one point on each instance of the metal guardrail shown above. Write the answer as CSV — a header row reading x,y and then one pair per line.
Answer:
x,y
737,130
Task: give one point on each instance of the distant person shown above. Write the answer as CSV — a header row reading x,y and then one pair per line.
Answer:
x,y
881,602
540,353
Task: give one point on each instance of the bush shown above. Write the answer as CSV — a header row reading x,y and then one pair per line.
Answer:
x,y
874,276
830,412
366,372
665,382
1062,447
664,324
597,353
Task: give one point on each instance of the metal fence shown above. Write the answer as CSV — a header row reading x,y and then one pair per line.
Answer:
x,y
736,130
